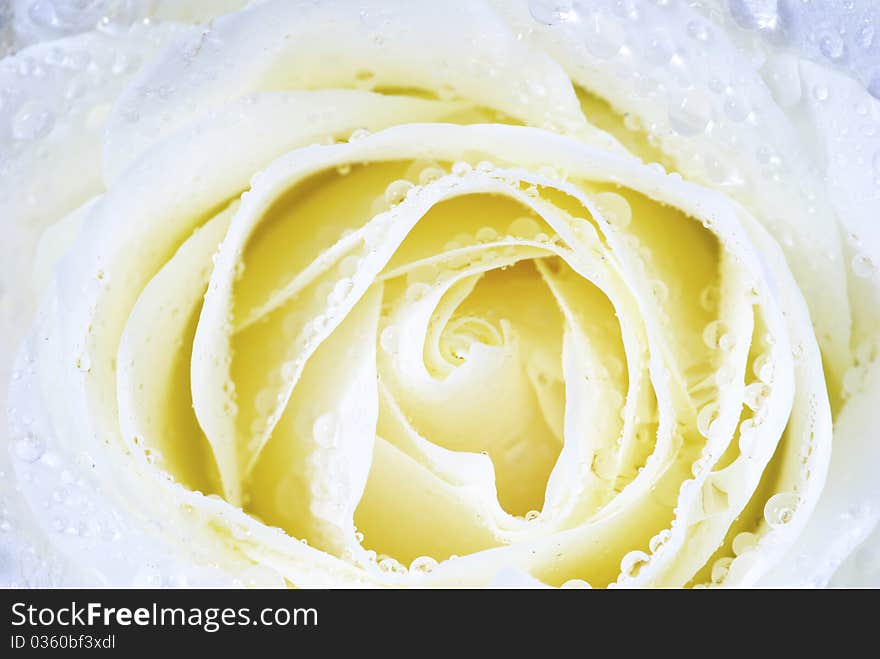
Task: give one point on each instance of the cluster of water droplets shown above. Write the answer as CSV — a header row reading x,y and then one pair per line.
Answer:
x,y
858,377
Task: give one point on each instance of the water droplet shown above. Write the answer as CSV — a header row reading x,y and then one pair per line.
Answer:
x,y
324,430
866,352
319,323
744,542
461,168
396,191
604,36
633,562
32,122
486,235
735,109
124,63
263,404
831,45
524,227
755,14
659,540
709,297
343,169
422,565
659,290
698,30
604,464
862,266
720,569
585,230
756,395
340,292
358,134
780,508
576,584
691,114
28,448
707,418
713,334
391,566
763,368
551,12
614,209
854,380
430,174
416,291
532,515
820,92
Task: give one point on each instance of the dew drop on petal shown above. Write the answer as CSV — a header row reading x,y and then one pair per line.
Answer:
x,y
552,12
604,36
707,417
709,298
486,235
28,448
780,508
324,430
659,290
340,291
423,565
763,368
659,540
632,563
713,333
32,122
755,395
391,566
430,174
396,191
831,45
358,134
614,208
744,542
720,569
461,168
576,584
416,291
691,114
862,266
524,227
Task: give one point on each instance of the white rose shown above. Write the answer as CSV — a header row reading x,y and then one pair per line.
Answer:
x,y
438,294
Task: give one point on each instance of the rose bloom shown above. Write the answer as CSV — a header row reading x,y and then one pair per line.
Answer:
x,y
439,294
